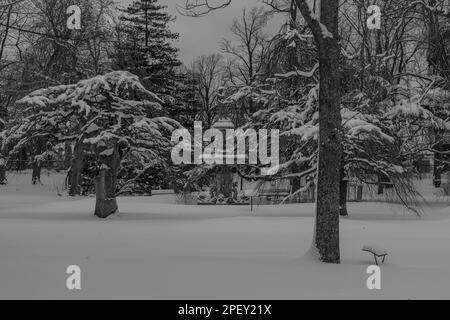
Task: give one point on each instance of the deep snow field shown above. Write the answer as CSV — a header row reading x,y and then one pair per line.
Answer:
x,y
158,250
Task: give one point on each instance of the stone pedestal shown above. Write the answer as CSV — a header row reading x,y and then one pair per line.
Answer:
x,y
224,177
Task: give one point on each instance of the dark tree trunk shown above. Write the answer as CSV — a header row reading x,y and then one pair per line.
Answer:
x,y
36,175
75,171
104,205
327,223
106,181
67,155
2,172
438,56
343,194
437,169
438,64
22,160
326,238
296,182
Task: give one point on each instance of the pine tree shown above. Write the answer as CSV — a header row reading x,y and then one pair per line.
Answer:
x,y
146,47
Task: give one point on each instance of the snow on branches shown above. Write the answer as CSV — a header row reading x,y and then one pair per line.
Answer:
x,y
103,115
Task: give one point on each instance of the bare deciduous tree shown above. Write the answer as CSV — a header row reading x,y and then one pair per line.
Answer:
x,y
249,45
207,72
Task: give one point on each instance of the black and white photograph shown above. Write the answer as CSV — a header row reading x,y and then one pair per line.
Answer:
x,y
208,153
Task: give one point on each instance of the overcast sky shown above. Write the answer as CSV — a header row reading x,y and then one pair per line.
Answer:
x,y
202,35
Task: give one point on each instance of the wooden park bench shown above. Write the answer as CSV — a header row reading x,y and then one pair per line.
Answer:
x,y
377,252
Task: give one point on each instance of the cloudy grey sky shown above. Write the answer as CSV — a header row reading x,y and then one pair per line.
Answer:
x,y
202,35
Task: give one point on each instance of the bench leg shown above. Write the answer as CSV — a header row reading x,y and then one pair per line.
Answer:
x,y
376,261
384,258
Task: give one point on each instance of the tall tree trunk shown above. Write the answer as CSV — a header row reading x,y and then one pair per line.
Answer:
x,y
438,56
326,34
67,155
327,220
75,170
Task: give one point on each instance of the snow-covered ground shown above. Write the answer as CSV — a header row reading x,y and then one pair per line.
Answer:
x,y
158,250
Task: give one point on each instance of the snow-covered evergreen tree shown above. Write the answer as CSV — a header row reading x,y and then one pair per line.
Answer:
x,y
111,118
146,48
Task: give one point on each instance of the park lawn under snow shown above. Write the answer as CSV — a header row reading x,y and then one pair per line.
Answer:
x,y
157,250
